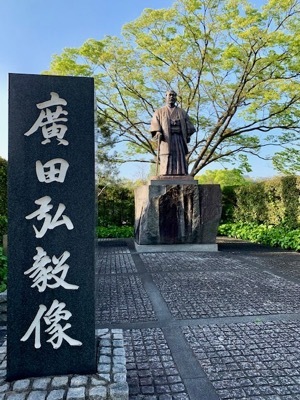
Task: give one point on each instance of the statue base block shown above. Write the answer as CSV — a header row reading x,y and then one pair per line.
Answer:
x,y
177,212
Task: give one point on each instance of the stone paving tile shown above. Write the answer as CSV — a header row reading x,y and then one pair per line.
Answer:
x,y
113,258
122,299
278,264
249,360
151,371
239,292
174,262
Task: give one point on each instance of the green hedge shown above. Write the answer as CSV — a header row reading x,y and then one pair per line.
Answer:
x,y
271,202
228,203
3,271
266,212
115,205
282,201
3,186
3,226
115,232
3,198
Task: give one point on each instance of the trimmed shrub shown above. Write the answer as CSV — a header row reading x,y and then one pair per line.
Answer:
x,y
3,271
228,203
251,203
266,212
283,201
272,202
115,206
3,186
115,232
3,226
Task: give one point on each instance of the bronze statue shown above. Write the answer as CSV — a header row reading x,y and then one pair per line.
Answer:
x,y
171,126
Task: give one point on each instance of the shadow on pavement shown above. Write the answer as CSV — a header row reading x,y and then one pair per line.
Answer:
x,y
238,245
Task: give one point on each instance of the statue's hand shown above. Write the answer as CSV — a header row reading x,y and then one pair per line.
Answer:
x,y
158,136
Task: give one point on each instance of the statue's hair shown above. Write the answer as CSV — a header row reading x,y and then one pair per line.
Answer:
x,y
171,90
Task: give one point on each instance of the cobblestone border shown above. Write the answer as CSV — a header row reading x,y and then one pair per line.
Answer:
x,y
109,383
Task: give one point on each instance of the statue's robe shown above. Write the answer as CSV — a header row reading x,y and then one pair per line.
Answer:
x,y
173,147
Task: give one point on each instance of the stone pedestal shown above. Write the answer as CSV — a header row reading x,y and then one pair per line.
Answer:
x,y
177,211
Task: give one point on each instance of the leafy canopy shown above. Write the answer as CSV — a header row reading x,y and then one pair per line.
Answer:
x,y
235,67
223,177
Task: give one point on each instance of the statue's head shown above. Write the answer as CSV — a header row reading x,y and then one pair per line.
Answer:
x,y
171,97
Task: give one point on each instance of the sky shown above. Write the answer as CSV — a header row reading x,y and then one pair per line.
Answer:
x,y
32,31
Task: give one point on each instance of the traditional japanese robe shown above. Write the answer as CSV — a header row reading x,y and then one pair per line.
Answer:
x,y
176,128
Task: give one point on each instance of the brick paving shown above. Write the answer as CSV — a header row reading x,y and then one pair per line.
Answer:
x,y
204,326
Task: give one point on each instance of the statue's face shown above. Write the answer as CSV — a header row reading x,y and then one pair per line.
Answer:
x,y
171,97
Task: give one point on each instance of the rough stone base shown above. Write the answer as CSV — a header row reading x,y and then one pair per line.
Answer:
x,y
177,211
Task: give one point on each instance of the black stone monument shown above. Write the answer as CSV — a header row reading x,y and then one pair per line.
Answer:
x,y
51,237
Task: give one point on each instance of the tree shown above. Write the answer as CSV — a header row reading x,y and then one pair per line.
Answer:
x,y
287,161
236,70
223,177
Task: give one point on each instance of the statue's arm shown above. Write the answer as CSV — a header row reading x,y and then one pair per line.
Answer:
x,y
155,127
189,127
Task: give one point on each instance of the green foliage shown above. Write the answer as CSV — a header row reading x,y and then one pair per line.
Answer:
x,y
282,200
3,271
272,202
251,203
3,186
287,161
115,231
267,212
264,234
229,180
3,225
235,67
223,177
228,203
115,204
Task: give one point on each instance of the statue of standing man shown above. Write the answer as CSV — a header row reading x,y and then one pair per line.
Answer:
x,y
171,126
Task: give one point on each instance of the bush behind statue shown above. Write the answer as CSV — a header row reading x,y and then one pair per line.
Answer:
x,y
115,205
3,186
271,202
3,225
115,232
266,212
3,271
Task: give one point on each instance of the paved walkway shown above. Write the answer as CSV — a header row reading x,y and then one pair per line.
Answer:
x,y
204,326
